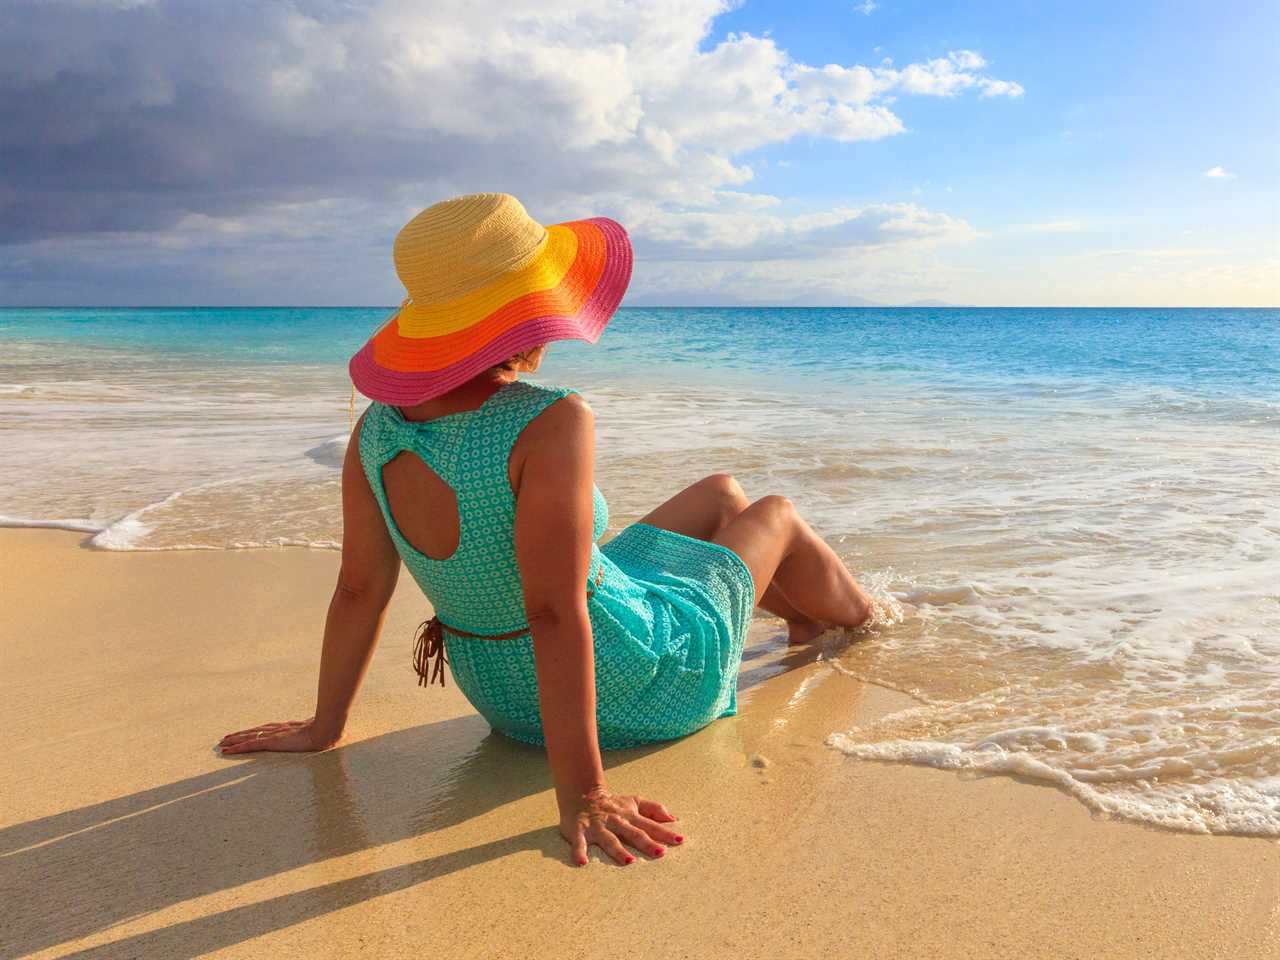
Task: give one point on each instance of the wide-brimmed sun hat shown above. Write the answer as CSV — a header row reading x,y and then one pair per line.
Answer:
x,y
485,282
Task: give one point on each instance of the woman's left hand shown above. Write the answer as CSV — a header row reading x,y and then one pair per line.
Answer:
x,y
291,736
609,820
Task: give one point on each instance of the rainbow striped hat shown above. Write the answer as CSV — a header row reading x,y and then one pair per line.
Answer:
x,y
487,281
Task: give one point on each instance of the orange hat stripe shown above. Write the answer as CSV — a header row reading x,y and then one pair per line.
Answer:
x,y
411,354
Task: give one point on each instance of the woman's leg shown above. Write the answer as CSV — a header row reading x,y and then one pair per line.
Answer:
x,y
701,509
705,508
783,551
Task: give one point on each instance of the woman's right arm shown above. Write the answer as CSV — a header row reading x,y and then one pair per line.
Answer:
x,y
554,520
366,580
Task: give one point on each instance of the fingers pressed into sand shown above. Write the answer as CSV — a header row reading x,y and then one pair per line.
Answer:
x,y
656,830
286,741
248,746
635,836
241,735
654,810
254,739
579,846
254,731
610,844
264,730
247,735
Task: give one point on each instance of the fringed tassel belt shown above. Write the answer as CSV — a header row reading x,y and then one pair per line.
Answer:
x,y
428,644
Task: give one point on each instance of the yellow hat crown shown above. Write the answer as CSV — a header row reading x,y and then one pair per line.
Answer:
x,y
460,245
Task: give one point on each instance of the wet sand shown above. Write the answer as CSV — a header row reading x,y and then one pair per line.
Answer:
x,y
124,834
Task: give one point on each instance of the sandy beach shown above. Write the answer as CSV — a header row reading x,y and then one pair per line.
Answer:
x,y
126,835
988,293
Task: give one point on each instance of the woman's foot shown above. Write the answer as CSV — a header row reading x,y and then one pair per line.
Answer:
x,y
805,630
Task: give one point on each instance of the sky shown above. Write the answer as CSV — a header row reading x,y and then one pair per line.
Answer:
x,y
264,152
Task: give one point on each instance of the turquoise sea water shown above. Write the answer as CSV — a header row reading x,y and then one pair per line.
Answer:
x,y
1232,352
1074,513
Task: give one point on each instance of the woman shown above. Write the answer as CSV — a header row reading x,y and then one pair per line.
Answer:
x,y
481,483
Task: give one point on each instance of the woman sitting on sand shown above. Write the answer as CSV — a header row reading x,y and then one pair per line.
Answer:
x,y
482,484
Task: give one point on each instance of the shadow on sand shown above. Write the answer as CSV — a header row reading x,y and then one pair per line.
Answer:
x,y
78,873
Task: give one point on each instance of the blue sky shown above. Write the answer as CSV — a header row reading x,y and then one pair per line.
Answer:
x,y
1126,105
1124,101
159,151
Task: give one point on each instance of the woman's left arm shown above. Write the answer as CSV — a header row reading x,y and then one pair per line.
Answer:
x,y
370,568
553,537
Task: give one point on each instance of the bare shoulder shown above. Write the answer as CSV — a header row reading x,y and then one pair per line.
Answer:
x,y
562,433
568,416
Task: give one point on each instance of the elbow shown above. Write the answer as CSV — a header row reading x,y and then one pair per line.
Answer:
x,y
545,617
363,591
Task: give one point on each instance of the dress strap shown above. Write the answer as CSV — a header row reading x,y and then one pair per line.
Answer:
x,y
492,430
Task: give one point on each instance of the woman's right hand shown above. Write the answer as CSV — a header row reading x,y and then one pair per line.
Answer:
x,y
608,821
291,736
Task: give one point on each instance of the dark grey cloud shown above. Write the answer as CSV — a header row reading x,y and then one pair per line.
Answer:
x,y
166,150
126,117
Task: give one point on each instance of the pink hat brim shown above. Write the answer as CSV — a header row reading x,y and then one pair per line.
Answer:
x,y
406,389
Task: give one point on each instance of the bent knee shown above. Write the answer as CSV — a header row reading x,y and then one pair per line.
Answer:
x,y
775,507
728,492
725,484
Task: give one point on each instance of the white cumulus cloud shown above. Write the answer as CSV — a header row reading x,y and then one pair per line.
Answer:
x,y
149,120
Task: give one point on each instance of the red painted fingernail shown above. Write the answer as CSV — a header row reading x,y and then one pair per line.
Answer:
x,y
657,851
630,859
582,861
679,839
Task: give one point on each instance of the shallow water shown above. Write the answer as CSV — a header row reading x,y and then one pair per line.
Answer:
x,y
1080,509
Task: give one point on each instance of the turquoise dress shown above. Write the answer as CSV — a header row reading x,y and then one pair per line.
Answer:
x,y
669,613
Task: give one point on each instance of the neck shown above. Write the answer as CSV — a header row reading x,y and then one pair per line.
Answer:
x,y
468,396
